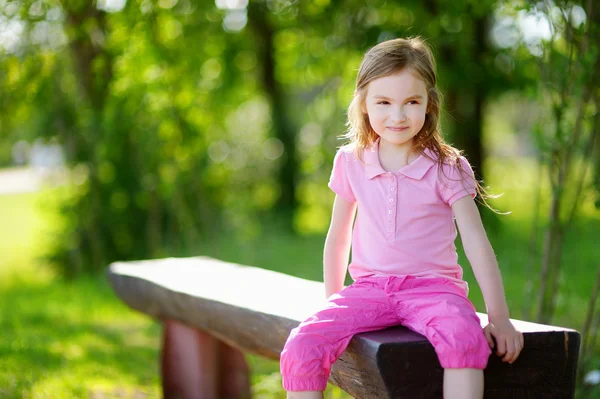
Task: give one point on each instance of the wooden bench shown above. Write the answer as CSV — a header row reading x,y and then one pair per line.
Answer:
x,y
213,311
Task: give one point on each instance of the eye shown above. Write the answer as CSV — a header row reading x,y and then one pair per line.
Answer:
x,y
382,102
413,102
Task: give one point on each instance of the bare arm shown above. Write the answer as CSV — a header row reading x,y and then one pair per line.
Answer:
x,y
485,267
337,245
481,256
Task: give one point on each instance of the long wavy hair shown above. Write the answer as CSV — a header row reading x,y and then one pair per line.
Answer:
x,y
389,58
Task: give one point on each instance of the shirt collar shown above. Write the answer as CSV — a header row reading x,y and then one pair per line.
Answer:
x,y
415,170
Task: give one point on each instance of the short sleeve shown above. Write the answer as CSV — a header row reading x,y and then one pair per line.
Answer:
x,y
338,181
455,183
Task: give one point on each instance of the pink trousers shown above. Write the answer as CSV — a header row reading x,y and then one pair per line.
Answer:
x,y
433,307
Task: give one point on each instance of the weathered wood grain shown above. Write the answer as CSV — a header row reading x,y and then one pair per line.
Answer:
x,y
254,310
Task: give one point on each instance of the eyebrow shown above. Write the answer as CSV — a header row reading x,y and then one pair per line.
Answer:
x,y
414,96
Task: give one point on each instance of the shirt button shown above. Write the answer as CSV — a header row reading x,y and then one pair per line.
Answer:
x,y
391,200
390,212
392,188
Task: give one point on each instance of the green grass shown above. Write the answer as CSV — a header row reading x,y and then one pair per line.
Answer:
x,y
76,339
64,340
72,340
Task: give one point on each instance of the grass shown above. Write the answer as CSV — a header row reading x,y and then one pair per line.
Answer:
x,y
72,340
76,339
64,340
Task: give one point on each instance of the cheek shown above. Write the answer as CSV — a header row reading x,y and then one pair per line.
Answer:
x,y
375,114
378,120
417,113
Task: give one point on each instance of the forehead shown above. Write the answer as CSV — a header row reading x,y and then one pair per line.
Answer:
x,y
402,84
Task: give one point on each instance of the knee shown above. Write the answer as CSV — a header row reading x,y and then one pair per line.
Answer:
x,y
301,346
290,348
304,364
305,336
466,349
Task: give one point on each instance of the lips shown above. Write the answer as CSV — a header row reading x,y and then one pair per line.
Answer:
x,y
398,129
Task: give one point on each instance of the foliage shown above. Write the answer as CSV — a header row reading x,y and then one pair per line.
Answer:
x,y
179,123
568,61
567,134
186,124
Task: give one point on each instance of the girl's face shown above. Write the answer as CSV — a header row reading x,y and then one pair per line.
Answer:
x,y
396,106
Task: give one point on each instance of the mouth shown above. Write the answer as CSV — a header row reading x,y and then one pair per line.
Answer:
x,y
398,129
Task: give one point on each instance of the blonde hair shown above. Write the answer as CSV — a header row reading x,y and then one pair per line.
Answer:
x,y
389,58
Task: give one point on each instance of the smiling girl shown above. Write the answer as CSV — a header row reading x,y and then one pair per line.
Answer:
x,y
405,186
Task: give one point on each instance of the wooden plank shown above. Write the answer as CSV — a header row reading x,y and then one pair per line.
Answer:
x,y
545,369
254,310
227,300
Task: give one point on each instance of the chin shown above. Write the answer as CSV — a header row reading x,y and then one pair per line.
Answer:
x,y
397,140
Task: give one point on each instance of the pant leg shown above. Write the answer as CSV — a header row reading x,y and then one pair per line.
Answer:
x,y
438,309
317,342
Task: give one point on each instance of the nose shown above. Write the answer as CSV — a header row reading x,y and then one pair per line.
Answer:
x,y
398,115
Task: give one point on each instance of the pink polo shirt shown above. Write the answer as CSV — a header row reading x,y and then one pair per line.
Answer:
x,y
404,223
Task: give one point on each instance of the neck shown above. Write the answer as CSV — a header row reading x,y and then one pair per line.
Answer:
x,y
403,151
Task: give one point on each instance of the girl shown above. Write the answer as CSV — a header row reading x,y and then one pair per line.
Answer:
x,y
408,186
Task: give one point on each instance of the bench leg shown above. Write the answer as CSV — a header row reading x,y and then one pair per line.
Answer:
x,y
234,374
195,365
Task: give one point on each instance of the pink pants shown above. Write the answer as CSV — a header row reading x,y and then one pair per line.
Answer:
x,y
433,307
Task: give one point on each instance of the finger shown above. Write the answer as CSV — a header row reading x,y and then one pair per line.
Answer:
x,y
510,351
488,337
518,348
522,340
500,346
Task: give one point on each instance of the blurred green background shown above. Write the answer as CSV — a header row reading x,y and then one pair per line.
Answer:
x,y
146,129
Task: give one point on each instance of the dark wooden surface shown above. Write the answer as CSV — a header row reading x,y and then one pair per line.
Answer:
x,y
254,310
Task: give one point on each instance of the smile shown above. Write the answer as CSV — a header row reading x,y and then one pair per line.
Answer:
x,y
397,129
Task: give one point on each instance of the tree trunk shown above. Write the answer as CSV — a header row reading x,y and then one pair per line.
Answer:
x,y
466,103
87,49
283,128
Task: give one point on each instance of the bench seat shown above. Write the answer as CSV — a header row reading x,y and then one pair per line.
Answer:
x,y
249,309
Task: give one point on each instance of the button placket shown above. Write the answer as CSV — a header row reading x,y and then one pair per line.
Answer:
x,y
392,207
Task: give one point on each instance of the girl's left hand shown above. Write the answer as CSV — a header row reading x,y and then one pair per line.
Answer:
x,y
509,340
